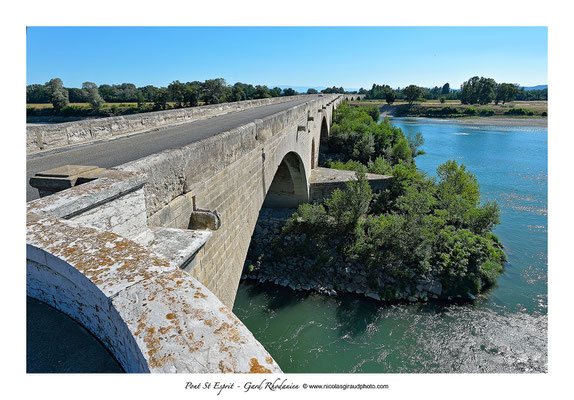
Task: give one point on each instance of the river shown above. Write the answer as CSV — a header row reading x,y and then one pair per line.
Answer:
x,y
504,330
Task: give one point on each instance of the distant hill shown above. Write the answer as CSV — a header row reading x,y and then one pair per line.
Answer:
x,y
537,87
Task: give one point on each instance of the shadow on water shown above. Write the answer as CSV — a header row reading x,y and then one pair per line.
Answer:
x,y
354,314
278,297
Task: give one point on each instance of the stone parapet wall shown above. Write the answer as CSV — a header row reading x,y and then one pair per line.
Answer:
x,y
51,136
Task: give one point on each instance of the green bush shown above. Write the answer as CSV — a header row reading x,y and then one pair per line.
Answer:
x,y
470,111
486,112
519,111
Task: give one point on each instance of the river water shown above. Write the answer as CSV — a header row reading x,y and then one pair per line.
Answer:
x,y
504,330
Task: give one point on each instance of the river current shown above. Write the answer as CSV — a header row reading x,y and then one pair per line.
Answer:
x,y
504,330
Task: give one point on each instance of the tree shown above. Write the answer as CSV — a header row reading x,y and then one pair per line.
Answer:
x,y
506,92
276,92
486,90
289,92
442,99
390,96
312,91
412,93
160,99
37,94
262,92
190,95
237,93
58,94
213,90
445,89
469,91
176,91
92,95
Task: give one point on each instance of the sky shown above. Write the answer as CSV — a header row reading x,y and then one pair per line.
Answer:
x,y
351,57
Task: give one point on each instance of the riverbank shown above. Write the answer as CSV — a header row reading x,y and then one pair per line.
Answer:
x,y
517,110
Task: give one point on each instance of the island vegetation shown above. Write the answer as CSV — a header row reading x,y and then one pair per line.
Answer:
x,y
423,237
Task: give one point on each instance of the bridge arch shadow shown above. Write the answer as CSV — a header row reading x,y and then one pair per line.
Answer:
x,y
289,187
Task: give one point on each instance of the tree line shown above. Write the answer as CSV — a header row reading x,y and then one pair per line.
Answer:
x,y
476,90
182,94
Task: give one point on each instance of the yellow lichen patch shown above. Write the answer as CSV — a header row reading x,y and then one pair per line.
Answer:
x,y
229,332
170,316
256,368
164,330
224,367
199,295
269,360
210,321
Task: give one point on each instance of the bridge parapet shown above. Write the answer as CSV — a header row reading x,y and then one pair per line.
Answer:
x,y
51,136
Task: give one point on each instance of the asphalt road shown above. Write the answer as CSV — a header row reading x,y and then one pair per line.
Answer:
x,y
122,150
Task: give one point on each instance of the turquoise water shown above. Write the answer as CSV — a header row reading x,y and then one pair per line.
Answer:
x,y
504,330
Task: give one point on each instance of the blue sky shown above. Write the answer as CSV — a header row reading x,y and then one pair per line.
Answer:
x,y
351,57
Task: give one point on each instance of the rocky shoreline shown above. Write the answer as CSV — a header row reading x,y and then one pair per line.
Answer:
x,y
300,272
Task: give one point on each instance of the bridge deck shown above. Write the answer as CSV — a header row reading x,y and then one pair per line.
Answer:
x,y
124,149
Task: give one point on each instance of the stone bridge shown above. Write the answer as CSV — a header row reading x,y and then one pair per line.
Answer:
x,y
148,255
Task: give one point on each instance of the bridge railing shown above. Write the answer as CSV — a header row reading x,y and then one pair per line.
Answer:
x,y
50,136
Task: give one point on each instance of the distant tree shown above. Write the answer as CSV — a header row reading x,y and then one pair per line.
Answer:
x,y
176,91
237,93
312,91
445,89
37,94
58,94
262,92
362,91
213,90
190,95
412,92
92,95
469,91
506,92
160,99
140,99
486,90
276,92
390,96
289,92
76,95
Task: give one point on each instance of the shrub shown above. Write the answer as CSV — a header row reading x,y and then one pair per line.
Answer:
x,y
442,100
470,111
486,112
519,111
544,113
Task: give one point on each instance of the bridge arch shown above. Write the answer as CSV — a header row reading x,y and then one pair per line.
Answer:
x,y
289,187
324,137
